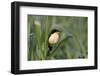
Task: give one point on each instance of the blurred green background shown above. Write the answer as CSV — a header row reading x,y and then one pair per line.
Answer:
x,y
73,37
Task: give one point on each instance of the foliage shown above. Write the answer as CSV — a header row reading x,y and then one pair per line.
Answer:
x,y
73,37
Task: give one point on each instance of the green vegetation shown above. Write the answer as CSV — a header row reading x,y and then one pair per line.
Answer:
x,y
72,43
